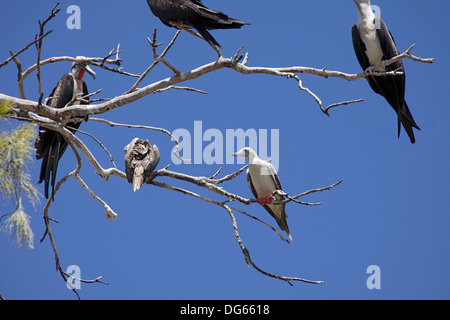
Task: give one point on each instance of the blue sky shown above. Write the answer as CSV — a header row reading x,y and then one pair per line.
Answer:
x,y
392,209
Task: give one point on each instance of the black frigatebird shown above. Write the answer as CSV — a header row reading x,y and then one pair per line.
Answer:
x,y
50,145
373,43
141,158
193,14
263,181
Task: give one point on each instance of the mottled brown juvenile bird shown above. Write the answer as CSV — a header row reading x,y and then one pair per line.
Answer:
x,y
141,158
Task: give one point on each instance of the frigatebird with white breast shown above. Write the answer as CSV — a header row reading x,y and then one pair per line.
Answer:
x,y
373,43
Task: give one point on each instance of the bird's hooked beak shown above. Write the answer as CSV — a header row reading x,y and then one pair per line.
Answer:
x,y
80,66
90,71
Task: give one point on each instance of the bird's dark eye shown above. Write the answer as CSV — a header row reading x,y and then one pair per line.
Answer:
x,y
246,152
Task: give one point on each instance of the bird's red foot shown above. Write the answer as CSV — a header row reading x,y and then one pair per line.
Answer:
x,y
265,200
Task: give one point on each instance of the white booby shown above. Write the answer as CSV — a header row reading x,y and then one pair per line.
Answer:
x,y
141,158
49,144
193,14
373,43
263,180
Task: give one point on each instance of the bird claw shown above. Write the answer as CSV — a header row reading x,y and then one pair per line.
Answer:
x,y
265,200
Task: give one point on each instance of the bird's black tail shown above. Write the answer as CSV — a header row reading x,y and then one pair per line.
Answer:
x,y
50,166
213,19
208,37
406,119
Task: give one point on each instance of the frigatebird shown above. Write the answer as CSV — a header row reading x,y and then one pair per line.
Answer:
x,y
263,181
141,158
50,145
373,43
193,14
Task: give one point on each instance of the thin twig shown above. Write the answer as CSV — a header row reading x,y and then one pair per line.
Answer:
x,y
250,261
259,220
156,58
341,104
39,48
111,158
309,192
181,88
48,230
110,214
167,132
14,55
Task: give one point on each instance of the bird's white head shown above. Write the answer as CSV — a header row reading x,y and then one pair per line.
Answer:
x,y
246,153
364,7
80,66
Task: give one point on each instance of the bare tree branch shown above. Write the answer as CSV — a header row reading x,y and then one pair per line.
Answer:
x,y
39,48
250,261
110,214
14,55
134,95
114,124
48,230
157,58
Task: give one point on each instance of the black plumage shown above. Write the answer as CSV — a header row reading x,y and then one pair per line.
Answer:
x,y
391,87
141,158
50,145
193,14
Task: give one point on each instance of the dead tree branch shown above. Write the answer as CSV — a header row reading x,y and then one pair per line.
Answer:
x,y
14,55
135,94
39,48
157,58
250,261
66,276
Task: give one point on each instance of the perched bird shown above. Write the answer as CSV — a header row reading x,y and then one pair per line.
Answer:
x,y
141,158
188,14
373,43
50,145
263,180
